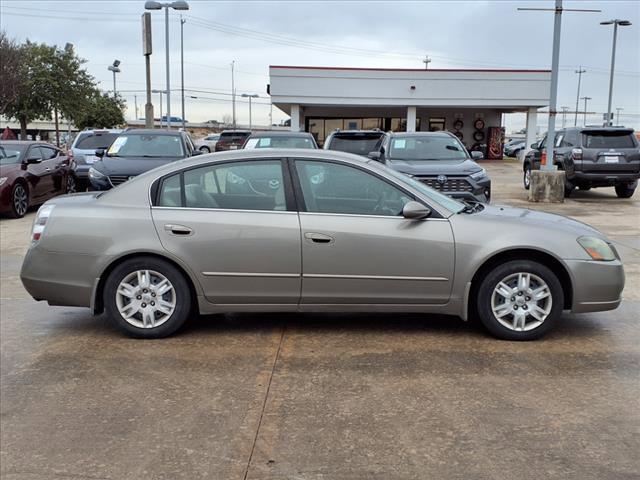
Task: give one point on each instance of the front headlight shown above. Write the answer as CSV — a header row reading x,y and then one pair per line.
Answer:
x,y
597,248
2,180
479,174
96,174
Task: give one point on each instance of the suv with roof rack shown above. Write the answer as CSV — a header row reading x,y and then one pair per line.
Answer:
x,y
592,157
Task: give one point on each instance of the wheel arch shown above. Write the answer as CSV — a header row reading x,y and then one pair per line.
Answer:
x,y
98,293
544,258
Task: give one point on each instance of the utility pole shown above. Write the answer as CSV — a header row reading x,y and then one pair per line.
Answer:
x,y
182,22
580,71
585,109
426,62
622,23
146,51
246,95
233,95
135,100
618,115
564,115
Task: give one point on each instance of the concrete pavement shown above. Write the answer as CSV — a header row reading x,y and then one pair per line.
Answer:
x,y
324,396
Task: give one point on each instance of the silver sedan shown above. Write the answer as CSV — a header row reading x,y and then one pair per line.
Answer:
x,y
308,231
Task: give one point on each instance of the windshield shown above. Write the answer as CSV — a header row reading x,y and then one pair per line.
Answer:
x,y
280,141
439,198
10,154
428,147
360,145
94,141
608,140
147,145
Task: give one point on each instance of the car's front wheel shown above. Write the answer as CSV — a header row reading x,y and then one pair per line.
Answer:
x,y
520,300
625,191
526,178
205,149
71,184
19,200
147,297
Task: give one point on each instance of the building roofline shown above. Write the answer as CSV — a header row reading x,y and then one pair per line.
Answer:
x,y
490,70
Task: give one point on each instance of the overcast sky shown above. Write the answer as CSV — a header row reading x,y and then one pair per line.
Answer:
x,y
476,34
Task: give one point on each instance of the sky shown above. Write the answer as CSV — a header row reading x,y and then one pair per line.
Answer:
x,y
387,34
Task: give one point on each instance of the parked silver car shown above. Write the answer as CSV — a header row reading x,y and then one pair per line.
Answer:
x,y
208,143
310,230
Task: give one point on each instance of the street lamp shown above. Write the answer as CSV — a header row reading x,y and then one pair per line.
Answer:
x,y
160,92
114,68
177,5
615,23
246,95
618,115
586,99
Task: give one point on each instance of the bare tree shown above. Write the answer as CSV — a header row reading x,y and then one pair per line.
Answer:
x,y
11,70
226,119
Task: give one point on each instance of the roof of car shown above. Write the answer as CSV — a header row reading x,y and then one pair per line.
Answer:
x,y
236,131
26,142
422,134
151,131
357,132
101,130
280,134
600,129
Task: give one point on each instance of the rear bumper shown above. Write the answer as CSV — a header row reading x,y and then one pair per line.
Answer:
x,y
603,179
597,286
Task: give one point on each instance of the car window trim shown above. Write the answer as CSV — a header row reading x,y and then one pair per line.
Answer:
x,y
412,195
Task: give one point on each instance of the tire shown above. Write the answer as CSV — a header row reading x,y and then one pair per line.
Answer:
x,y
205,149
143,320
19,200
72,186
568,189
495,309
624,191
526,177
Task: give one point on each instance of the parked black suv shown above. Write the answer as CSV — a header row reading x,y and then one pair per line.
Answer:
x,y
437,159
360,142
136,151
592,157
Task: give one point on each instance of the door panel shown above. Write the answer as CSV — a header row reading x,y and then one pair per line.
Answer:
x,y
40,180
376,260
239,257
51,162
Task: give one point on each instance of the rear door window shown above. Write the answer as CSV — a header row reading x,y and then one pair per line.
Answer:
x,y
94,141
48,153
608,140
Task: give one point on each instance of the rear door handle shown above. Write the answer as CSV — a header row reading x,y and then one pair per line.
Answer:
x,y
178,229
318,237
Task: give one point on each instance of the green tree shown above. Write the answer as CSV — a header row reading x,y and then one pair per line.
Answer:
x,y
101,111
11,71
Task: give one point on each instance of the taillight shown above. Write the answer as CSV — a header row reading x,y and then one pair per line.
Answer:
x,y
576,153
40,222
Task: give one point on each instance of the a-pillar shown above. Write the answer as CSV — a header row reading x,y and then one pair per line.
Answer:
x,y
297,118
532,120
411,119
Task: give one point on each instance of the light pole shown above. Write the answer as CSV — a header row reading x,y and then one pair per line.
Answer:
x,y
233,94
114,68
564,115
246,95
580,71
182,22
160,92
177,5
618,115
586,99
615,23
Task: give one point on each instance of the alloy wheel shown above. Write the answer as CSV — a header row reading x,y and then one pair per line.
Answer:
x,y
145,298
521,301
527,178
20,200
71,184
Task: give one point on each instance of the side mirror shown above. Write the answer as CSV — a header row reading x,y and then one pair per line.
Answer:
x,y
374,156
475,155
534,146
33,160
415,211
196,152
100,152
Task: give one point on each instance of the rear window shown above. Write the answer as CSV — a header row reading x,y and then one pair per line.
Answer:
x,y
608,140
233,137
360,145
280,141
93,141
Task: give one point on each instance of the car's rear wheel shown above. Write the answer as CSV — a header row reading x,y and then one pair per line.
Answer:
x,y
526,179
520,300
205,149
625,191
147,298
19,200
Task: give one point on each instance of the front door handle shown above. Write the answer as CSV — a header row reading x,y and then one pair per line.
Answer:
x,y
177,229
318,237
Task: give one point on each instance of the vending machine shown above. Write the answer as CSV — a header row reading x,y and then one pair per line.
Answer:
x,y
495,143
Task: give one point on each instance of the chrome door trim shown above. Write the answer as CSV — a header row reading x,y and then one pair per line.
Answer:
x,y
397,217
281,212
374,277
251,274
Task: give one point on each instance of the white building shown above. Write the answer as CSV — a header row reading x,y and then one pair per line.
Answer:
x,y
322,99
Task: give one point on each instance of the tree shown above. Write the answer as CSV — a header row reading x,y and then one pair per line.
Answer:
x,y
11,71
101,111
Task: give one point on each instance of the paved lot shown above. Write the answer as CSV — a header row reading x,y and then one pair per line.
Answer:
x,y
324,396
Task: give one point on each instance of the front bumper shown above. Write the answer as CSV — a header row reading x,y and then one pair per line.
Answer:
x,y
597,286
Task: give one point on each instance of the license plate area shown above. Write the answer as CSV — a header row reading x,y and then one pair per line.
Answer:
x,y
611,159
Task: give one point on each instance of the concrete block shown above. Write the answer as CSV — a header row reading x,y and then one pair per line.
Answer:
x,y
547,186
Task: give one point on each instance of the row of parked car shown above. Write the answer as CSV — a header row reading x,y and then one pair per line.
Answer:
x,y
33,172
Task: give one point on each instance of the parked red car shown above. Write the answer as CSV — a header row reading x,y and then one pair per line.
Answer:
x,y
30,174
231,140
